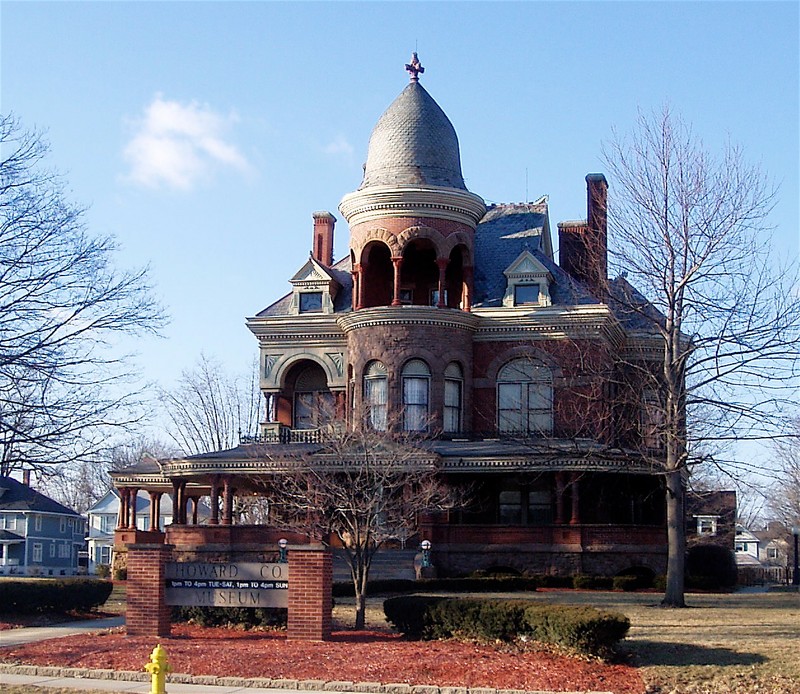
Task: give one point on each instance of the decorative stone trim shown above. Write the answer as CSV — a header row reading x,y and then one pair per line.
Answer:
x,y
377,202
408,315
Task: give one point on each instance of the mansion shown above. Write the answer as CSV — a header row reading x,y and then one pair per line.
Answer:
x,y
452,320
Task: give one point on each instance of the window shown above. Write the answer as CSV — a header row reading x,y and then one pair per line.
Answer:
x,y
453,389
37,552
103,555
106,523
416,388
62,525
406,296
63,551
525,397
772,552
376,395
52,549
706,525
313,402
310,302
12,522
510,506
526,295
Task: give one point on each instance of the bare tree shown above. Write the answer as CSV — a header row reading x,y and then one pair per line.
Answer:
x,y
210,409
784,497
719,332
82,484
364,488
62,308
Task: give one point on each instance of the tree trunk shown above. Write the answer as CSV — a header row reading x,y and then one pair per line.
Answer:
x,y
361,604
676,538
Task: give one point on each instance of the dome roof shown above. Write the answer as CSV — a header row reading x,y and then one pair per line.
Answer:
x,y
413,143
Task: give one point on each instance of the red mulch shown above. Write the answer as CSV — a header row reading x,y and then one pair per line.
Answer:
x,y
363,656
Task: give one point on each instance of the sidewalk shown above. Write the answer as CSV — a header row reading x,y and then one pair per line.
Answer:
x,y
17,637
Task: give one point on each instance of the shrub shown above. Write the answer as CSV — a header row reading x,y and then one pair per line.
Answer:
x,y
469,584
710,567
585,629
121,574
103,570
245,617
581,628
53,595
583,582
626,583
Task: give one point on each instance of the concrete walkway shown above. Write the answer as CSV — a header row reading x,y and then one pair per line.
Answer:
x,y
17,637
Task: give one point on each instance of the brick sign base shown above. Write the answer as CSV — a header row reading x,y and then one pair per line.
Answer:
x,y
309,593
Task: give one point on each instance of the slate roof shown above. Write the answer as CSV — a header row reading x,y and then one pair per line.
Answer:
x,y
506,231
413,143
21,497
631,308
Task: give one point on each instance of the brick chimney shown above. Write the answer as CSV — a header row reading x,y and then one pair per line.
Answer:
x,y
583,246
322,249
26,478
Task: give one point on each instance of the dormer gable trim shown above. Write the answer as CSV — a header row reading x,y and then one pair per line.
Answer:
x,y
313,289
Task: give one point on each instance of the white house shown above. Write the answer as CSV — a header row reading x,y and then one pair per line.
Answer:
x,y
103,519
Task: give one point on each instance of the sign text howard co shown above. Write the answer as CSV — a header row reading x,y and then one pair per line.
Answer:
x,y
226,584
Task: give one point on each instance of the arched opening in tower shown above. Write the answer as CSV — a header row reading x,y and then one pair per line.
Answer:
x,y
454,277
306,400
377,276
419,279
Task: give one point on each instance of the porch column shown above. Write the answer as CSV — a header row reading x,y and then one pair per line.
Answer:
x,y
122,513
442,265
354,299
155,498
227,501
214,501
176,503
195,503
576,499
134,496
270,398
560,488
397,261
360,268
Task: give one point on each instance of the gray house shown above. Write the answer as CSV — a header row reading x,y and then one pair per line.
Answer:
x,y
38,536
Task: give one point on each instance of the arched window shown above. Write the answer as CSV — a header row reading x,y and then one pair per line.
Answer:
x,y
525,397
376,395
453,395
416,389
313,402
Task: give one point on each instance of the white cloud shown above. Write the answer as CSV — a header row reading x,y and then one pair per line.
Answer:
x,y
339,146
179,145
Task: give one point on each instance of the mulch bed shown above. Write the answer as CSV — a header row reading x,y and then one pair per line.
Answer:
x,y
363,656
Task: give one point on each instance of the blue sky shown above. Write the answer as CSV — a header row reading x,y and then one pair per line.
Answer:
x,y
204,134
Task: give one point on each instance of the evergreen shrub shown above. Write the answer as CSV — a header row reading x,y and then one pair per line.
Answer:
x,y
584,629
710,567
244,617
42,595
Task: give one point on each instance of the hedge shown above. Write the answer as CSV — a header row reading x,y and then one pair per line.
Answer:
x,y
469,584
247,617
584,629
40,595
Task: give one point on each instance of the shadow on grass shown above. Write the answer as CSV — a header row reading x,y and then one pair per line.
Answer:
x,y
646,653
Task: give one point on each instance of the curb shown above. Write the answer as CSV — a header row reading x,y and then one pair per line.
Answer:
x,y
264,682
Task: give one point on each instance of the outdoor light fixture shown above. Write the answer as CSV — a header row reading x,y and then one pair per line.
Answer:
x,y
796,568
425,546
283,543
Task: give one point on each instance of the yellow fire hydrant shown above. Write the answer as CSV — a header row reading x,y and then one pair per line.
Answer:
x,y
158,667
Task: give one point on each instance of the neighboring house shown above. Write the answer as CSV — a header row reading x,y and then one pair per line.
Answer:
x,y
452,320
746,547
104,518
711,518
775,545
38,536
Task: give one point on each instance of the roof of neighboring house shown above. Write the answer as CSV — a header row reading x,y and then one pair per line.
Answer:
x,y
9,538
16,496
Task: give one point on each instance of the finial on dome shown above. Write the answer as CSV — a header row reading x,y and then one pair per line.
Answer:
x,y
414,68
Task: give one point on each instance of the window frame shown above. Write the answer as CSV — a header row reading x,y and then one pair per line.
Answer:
x,y
453,376
416,414
529,390
375,412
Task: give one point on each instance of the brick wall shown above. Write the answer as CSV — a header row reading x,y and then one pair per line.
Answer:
x,y
310,597
146,613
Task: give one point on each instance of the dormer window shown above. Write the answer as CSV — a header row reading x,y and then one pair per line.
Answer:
x,y
310,302
528,282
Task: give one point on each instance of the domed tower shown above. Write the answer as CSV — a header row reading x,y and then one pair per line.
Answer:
x,y
412,225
